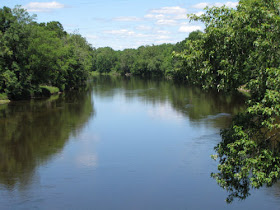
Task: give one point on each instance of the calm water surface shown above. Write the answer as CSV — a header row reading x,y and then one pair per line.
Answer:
x,y
118,144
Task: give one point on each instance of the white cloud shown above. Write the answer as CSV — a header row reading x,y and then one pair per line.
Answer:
x,y
170,10
217,4
155,36
43,6
166,22
164,41
89,36
71,25
157,17
231,4
160,37
162,32
127,33
143,28
141,35
158,26
189,28
120,32
200,5
167,15
181,17
127,19
199,13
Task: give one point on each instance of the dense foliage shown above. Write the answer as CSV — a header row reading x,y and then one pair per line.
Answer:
x,y
155,60
241,47
144,61
32,54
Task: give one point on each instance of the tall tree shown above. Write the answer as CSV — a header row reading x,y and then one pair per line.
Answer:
x,y
33,54
241,47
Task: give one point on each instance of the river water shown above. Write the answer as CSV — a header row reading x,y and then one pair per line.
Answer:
x,y
119,143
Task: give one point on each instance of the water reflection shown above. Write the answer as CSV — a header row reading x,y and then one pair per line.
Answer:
x,y
191,102
148,147
274,190
200,107
32,132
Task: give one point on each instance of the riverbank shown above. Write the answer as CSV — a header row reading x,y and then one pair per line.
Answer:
x,y
242,89
47,91
4,98
4,101
43,92
111,73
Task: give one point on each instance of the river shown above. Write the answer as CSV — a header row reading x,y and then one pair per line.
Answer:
x,y
119,143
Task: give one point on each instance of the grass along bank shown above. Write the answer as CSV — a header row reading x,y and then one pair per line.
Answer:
x,y
4,98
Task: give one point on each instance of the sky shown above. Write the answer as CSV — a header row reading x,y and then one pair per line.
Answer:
x,y
122,24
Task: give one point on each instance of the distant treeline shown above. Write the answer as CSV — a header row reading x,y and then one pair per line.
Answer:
x,y
34,54
155,60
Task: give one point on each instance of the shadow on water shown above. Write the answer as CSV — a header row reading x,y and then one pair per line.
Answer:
x,y
192,102
32,132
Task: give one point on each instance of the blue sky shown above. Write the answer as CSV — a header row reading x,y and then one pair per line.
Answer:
x,y
121,24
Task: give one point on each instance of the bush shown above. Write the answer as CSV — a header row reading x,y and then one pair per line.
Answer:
x,y
48,90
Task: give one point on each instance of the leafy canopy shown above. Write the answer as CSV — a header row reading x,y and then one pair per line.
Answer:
x,y
242,47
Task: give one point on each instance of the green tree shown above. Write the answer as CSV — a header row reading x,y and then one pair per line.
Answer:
x,y
77,63
126,60
249,152
105,59
14,42
34,54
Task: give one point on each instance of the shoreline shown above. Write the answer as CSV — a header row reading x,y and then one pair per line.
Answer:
x,y
6,101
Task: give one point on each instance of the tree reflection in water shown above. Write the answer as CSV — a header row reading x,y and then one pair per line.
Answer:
x,y
192,102
32,132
